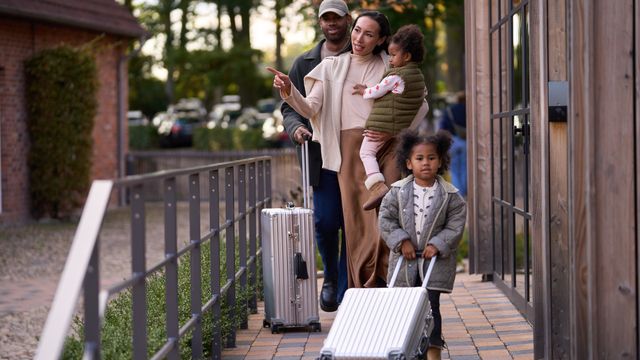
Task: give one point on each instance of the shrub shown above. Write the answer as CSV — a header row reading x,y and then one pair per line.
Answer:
x,y
228,139
116,335
142,137
463,247
61,88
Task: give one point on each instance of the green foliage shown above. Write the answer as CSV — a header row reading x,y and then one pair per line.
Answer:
x,y
463,247
143,137
228,139
117,332
61,86
146,93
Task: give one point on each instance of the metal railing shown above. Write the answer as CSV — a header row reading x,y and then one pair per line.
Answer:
x,y
247,184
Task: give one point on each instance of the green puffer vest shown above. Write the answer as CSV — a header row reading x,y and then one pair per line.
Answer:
x,y
393,112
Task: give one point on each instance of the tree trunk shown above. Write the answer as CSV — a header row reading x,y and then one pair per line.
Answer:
x,y
166,6
454,55
279,8
218,30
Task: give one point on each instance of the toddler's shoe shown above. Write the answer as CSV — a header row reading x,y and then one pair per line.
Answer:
x,y
434,353
376,193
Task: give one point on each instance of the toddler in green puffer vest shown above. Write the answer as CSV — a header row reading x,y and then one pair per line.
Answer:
x,y
398,97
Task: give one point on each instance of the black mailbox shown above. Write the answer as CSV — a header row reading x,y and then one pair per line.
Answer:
x,y
558,96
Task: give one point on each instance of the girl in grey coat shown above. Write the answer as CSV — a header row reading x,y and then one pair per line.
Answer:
x,y
423,212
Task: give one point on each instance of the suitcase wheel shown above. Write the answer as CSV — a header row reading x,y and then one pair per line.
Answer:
x,y
275,329
266,324
317,327
422,347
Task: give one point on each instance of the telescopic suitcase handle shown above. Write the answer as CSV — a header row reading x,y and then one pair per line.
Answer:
x,y
305,172
396,271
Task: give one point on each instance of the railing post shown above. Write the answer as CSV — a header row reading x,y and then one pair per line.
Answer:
x,y
171,269
253,301
230,244
138,268
242,238
214,224
91,305
195,259
261,198
267,180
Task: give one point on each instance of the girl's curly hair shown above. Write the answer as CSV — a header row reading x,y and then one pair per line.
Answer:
x,y
410,40
409,138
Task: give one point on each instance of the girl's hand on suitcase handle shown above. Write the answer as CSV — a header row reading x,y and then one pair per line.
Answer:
x,y
429,252
407,249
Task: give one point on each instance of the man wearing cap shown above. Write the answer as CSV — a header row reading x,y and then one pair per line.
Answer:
x,y
334,20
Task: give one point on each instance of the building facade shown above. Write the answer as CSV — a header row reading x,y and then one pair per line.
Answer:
x,y
29,26
553,128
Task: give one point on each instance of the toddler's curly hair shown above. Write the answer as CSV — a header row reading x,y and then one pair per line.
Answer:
x,y
409,138
410,40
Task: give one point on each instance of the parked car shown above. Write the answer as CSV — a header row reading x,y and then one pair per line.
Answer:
x,y
225,113
273,129
177,129
191,106
266,107
136,118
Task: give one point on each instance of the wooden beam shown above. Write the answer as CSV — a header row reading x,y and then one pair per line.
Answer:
x,y
539,174
478,127
603,214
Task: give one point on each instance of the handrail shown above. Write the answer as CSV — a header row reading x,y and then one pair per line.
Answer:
x,y
82,248
82,266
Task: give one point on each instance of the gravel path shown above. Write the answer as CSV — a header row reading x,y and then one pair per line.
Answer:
x,y
32,259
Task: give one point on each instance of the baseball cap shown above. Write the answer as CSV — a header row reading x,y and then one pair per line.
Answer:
x,y
336,6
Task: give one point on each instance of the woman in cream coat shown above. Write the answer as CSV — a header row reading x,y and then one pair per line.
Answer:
x,y
338,116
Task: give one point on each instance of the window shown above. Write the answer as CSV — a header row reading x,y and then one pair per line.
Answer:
x,y
510,142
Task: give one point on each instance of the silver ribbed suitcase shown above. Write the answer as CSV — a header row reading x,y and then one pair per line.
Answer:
x,y
288,264
381,323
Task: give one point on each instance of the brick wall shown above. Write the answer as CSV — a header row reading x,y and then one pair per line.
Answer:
x,y
19,40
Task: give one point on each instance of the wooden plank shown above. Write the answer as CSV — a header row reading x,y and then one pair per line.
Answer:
x,y
636,27
559,241
558,192
557,39
615,293
581,229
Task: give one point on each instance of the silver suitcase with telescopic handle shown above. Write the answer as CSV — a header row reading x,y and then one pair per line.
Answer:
x,y
382,323
288,263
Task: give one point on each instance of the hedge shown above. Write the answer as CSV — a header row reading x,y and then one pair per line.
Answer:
x,y
117,335
228,139
143,137
61,86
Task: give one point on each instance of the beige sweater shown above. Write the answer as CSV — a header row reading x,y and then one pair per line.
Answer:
x,y
330,104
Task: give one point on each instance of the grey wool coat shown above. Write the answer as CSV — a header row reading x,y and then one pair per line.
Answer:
x,y
443,229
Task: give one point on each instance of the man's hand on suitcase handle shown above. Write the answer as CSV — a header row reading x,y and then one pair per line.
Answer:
x,y
301,134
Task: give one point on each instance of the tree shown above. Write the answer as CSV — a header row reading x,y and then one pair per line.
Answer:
x,y
434,17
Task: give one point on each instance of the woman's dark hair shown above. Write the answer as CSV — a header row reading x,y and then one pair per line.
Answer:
x,y
410,40
409,138
385,29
